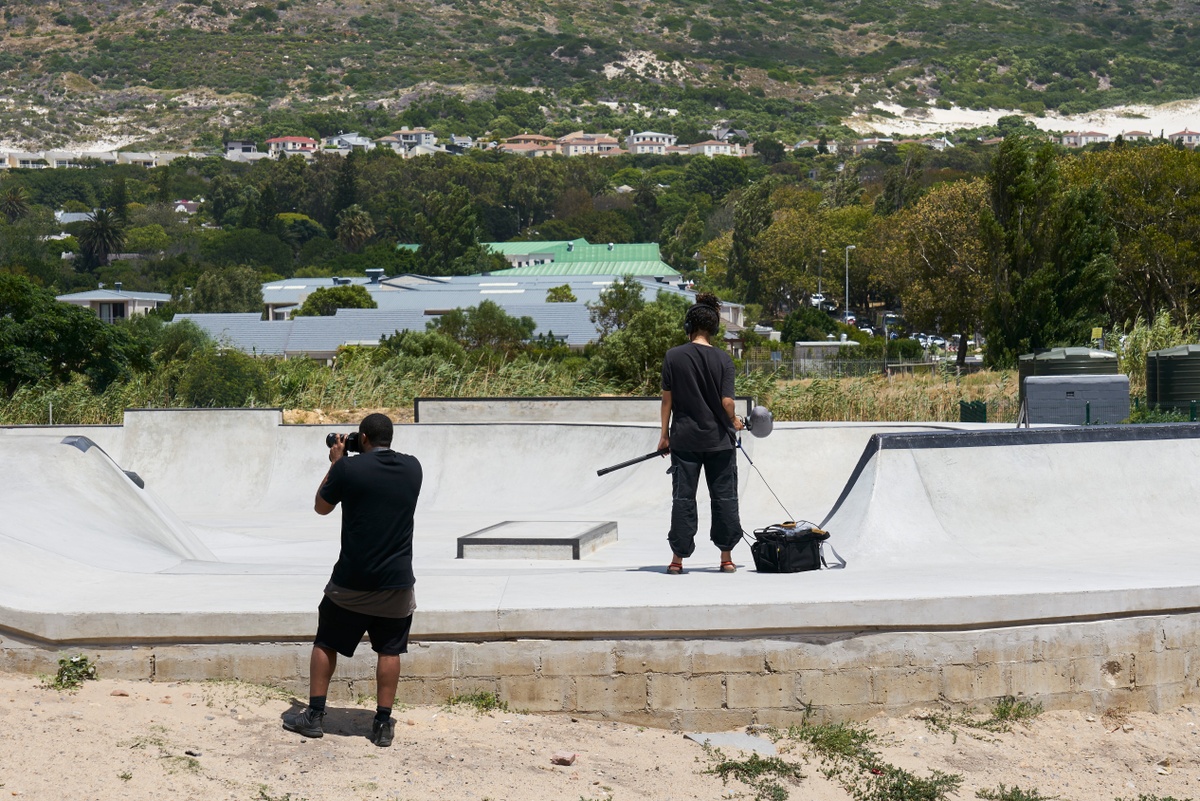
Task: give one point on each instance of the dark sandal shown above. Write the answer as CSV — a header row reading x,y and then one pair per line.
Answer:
x,y
728,567
675,569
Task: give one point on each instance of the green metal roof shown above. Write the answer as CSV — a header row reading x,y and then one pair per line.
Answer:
x,y
524,248
647,251
647,267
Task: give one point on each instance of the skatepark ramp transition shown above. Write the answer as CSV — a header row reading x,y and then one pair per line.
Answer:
x,y
983,561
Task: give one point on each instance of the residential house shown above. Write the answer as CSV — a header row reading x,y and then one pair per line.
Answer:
x,y
407,138
1083,138
107,157
28,161
546,147
863,145
815,144
461,142
425,150
243,151
1186,137
148,160
114,304
713,147
284,146
650,142
725,134
1137,136
587,144
345,142
61,159
528,139
186,207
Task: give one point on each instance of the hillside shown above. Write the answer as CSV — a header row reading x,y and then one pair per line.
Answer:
x,y
163,73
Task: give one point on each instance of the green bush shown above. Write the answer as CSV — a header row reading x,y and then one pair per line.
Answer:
x,y
223,379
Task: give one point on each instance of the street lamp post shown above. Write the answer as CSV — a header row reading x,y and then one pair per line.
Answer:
x,y
820,269
846,310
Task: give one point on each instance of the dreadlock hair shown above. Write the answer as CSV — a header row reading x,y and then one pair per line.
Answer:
x,y
704,315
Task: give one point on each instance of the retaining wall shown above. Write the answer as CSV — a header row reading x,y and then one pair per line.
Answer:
x,y
1136,663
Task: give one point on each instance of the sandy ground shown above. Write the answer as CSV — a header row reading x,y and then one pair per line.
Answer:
x,y
217,740
1167,118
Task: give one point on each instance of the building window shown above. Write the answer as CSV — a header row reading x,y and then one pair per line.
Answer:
x,y
111,312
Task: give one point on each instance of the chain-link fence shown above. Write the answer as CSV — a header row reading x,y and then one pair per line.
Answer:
x,y
833,368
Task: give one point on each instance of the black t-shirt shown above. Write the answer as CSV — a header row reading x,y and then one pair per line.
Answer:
x,y
698,377
378,491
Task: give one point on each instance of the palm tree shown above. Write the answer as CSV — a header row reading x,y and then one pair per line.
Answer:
x,y
14,203
354,228
102,236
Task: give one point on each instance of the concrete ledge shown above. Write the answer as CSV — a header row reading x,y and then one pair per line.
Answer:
x,y
537,539
1138,663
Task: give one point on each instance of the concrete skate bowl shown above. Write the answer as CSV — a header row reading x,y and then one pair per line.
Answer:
x,y
1056,563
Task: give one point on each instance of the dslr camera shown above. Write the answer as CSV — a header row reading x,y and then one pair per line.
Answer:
x,y
353,442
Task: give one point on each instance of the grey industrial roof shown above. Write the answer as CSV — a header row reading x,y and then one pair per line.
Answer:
x,y
407,302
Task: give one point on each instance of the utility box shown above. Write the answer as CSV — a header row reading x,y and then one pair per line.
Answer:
x,y
1076,400
1064,362
972,411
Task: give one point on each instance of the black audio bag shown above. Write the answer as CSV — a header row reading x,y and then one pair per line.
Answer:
x,y
790,548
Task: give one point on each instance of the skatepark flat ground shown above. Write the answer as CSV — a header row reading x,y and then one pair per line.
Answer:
x,y
943,526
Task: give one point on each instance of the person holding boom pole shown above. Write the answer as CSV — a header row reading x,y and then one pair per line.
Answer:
x,y
698,423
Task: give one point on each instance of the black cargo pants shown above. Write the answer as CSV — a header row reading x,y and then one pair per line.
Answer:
x,y
720,473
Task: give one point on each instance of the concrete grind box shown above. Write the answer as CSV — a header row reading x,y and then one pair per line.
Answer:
x,y
1141,663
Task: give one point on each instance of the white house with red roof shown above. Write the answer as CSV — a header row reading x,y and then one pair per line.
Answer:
x,y
1136,136
283,146
1186,137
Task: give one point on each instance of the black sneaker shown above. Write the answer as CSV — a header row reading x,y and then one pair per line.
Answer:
x,y
382,732
307,722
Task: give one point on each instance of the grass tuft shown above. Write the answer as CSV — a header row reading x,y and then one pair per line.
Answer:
x,y
482,701
1014,793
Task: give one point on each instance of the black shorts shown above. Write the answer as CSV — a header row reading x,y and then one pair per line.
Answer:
x,y
342,630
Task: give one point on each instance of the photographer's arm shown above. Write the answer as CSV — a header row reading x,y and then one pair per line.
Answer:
x,y
320,505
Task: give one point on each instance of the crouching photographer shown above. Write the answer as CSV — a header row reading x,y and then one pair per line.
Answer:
x,y
371,589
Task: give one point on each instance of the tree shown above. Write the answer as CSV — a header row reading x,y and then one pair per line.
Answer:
x,y
225,290
354,228
769,150
844,188
14,202
44,340
102,235
901,182
617,305
561,294
346,188
1051,254
751,216
633,356
1152,195
485,326
932,255
325,301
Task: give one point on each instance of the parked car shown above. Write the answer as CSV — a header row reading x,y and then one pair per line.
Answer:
x,y
936,341
868,330
849,317
816,299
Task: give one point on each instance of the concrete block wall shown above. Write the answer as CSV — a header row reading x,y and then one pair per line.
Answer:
x,y
1141,663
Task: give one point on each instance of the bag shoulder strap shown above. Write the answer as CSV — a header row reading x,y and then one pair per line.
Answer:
x,y
841,563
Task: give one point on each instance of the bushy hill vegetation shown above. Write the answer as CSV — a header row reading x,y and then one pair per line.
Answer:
x,y
169,73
